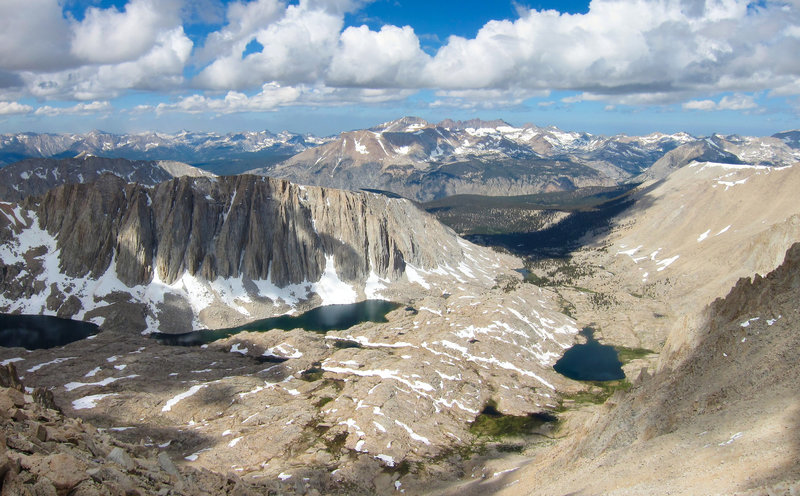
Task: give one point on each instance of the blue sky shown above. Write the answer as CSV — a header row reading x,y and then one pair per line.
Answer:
x,y
324,66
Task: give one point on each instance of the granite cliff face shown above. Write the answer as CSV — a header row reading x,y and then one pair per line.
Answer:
x,y
240,240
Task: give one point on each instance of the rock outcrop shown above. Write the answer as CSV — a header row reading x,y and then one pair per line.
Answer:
x,y
44,452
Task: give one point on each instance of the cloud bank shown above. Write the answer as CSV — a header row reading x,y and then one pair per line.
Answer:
x,y
268,54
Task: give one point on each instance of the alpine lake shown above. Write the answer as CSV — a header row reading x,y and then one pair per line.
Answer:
x,y
34,332
590,361
321,319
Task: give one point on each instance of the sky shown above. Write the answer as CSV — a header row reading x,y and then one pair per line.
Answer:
x,y
326,66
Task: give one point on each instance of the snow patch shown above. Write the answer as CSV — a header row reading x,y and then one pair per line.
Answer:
x,y
374,286
236,348
89,401
51,362
663,264
284,350
105,382
413,276
176,399
331,289
412,434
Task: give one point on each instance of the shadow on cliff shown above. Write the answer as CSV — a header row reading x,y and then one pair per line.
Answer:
x,y
350,264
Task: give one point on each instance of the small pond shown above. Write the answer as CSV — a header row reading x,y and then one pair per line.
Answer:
x,y
320,319
591,361
36,332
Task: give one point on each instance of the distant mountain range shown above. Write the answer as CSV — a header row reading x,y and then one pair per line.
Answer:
x,y
425,161
35,176
222,154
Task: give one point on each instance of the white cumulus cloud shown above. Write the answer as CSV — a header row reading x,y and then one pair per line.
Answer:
x,y
728,102
34,35
627,47
297,47
244,21
110,36
700,105
77,109
391,57
13,108
161,68
269,98
273,96
703,54
635,52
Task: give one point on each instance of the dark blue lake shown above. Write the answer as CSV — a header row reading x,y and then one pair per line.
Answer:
x,y
36,332
591,361
320,319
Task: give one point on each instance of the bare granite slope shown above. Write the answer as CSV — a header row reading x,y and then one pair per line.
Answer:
x,y
685,242
42,451
721,418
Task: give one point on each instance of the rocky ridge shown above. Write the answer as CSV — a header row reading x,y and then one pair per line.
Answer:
x,y
421,160
34,177
424,161
221,249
